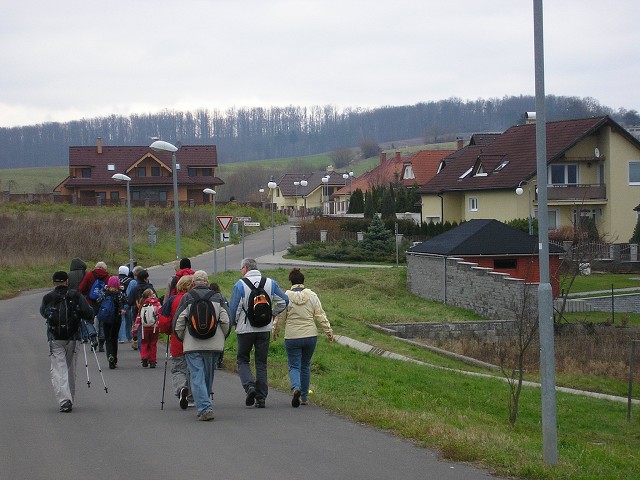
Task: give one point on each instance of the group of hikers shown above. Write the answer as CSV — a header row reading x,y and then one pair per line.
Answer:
x,y
102,310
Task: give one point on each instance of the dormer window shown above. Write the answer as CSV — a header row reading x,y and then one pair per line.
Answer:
x,y
501,166
441,166
111,167
408,173
465,174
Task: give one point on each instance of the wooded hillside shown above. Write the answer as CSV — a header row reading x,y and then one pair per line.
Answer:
x,y
258,133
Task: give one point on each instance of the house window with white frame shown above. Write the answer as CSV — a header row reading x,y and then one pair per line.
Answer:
x,y
552,218
563,174
473,204
634,172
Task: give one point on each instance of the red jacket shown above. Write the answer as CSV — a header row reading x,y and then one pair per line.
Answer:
x,y
88,280
165,325
179,274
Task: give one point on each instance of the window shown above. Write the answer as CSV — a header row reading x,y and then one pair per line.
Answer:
x,y
135,195
102,195
505,263
162,196
142,171
634,173
86,172
155,171
408,173
473,204
192,172
207,172
114,196
111,167
501,166
466,173
563,174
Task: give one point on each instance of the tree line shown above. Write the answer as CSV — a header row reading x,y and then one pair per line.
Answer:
x,y
244,134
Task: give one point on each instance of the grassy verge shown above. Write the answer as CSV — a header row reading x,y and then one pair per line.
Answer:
x,y
465,417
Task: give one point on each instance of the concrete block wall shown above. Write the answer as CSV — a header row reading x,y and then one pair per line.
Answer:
x,y
466,285
484,330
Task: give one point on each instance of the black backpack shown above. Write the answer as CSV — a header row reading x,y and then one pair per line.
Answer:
x,y
258,311
202,321
63,315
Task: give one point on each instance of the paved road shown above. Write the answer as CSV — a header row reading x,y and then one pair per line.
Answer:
x,y
125,434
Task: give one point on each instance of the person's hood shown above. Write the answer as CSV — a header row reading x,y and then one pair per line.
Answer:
x,y
299,294
100,273
77,264
183,272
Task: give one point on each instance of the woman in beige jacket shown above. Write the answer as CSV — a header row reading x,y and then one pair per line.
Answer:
x,y
300,321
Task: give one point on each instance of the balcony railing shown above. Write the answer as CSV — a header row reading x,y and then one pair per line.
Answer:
x,y
578,192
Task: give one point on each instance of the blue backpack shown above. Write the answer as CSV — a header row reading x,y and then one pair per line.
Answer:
x,y
107,311
96,289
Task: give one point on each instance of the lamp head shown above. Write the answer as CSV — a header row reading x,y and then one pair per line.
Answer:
x,y
121,177
272,185
519,191
303,183
162,146
209,191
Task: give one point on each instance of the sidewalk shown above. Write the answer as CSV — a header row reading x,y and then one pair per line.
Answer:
x,y
278,261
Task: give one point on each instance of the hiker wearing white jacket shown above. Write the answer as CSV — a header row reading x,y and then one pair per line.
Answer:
x,y
250,337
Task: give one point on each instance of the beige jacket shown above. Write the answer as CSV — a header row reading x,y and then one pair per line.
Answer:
x,y
302,315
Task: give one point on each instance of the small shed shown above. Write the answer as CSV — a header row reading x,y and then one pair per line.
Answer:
x,y
493,245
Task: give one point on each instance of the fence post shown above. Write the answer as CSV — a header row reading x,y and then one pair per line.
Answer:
x,y
293,234
631,362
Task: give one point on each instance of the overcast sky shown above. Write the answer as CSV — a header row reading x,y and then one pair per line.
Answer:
x,y
71,59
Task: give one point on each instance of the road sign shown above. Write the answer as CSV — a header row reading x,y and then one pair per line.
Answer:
x,y
224,221
243,219
251,224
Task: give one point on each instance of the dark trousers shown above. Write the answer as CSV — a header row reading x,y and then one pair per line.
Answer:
x,y
259,342
111,331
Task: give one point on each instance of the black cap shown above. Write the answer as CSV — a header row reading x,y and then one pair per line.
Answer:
x,y
185,263
60,277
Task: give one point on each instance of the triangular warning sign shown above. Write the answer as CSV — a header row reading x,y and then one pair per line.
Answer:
x,y
224,221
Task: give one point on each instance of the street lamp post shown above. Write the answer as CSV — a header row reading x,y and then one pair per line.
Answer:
x,y
212,192
162,146
120,177
297,184
303,184
325,194
261,197
520,191
272,186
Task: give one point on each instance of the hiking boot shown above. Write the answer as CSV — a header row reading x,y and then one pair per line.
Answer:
x,y
304,401
145,362
206,416
94,341
153,364
66,406
295,401
184,403
251,396
260,403
112,362
101,346
134,343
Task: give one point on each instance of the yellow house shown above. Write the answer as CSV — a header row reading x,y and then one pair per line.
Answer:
x,y
593,171
298,193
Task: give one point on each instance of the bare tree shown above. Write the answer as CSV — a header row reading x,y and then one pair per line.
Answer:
x,y
341,157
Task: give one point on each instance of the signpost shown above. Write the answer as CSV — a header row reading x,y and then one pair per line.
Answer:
x,y
224,221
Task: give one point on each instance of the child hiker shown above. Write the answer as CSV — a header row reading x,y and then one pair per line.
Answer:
x,y
148,319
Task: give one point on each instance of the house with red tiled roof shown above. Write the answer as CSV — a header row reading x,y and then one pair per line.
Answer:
x,y
297,193
593,171
409,171
91,170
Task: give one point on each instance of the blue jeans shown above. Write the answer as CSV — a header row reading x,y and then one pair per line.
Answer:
x,y
201,369
299,353
125,327
259,341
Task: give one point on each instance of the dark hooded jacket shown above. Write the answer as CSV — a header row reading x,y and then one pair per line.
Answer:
x,y
77,271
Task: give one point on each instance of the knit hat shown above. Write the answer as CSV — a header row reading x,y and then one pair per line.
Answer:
x,y
185,263
113,282
60,277
123,270
201,277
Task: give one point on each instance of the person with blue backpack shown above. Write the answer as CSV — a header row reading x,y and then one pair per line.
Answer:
x,y
91,284
110,302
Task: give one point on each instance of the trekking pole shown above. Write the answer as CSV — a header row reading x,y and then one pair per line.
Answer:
x,y
84,349
99,369
164,380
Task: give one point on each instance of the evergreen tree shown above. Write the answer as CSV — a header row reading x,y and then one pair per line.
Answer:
x,y
377,237
387,208
635,238
356,203
369,207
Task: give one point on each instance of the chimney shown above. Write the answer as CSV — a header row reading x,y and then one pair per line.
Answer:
x,y
99,145
383,157
529,118
459,143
